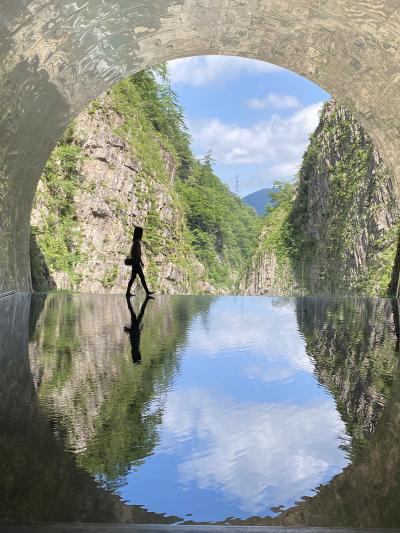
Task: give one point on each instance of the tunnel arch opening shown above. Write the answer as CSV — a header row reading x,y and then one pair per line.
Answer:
x,y
308,277
57,58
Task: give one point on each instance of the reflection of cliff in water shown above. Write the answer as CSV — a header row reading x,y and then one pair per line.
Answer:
x,y
107,410
358,362
87,396
40,480
354,346
367,493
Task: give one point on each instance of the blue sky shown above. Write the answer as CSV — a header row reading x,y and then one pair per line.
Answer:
x,y
246,394
255,117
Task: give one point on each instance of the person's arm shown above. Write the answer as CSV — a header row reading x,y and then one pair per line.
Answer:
x,y
140,250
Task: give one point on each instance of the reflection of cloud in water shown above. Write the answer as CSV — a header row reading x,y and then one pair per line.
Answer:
x,y
267,327
271,372
258,454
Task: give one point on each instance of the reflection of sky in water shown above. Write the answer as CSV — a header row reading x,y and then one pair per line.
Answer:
x,y
246,426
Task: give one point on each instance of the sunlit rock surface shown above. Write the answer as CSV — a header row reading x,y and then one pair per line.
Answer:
x,y
113,194
339,231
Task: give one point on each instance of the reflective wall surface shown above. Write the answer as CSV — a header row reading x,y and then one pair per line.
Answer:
x,y
57,56
251,410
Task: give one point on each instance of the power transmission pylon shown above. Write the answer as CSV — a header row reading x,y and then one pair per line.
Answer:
x,y
237,184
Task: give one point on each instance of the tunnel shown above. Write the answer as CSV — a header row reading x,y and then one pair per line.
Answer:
x,y
58,56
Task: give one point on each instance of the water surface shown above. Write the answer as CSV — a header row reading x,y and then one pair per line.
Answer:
x,y
204,409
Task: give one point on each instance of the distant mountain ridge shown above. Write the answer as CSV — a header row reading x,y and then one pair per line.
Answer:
x,y
260,200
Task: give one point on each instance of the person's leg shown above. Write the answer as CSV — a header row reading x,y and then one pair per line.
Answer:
x,y
132,279
143,280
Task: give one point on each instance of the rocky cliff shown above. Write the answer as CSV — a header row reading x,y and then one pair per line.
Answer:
x,y
270,271
338,234
109,194
126,161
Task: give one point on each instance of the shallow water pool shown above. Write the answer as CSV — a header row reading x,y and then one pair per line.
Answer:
x,y
256,410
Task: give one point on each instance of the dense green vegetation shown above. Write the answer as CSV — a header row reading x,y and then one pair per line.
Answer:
x,y
59,236
213,223
221,229
277,229
329,236
149,92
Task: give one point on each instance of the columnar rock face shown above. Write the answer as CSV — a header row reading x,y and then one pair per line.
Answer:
x,y
346,210
57,56
336,230
113,193
267,275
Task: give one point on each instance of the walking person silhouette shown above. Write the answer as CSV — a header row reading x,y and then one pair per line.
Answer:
x,y
135,329
137,263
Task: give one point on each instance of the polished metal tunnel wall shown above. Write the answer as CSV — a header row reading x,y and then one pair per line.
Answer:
x,y
57,55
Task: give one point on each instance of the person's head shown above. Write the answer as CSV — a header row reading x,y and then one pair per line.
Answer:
x,y
138,233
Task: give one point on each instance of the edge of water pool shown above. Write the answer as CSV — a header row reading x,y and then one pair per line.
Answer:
x,y
139,528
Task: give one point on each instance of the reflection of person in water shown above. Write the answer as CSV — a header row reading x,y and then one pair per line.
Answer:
x,y
137,263
134,330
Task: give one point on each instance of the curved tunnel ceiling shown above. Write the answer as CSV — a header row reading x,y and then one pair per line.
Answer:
x,y
57,55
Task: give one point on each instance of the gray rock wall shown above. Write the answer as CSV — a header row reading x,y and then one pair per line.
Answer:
x,y
346,213
342,225
115,194
267,275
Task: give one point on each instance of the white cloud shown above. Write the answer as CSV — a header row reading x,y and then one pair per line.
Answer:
x,y
203,70
275,101
255,331
278,143
284,169
258,454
